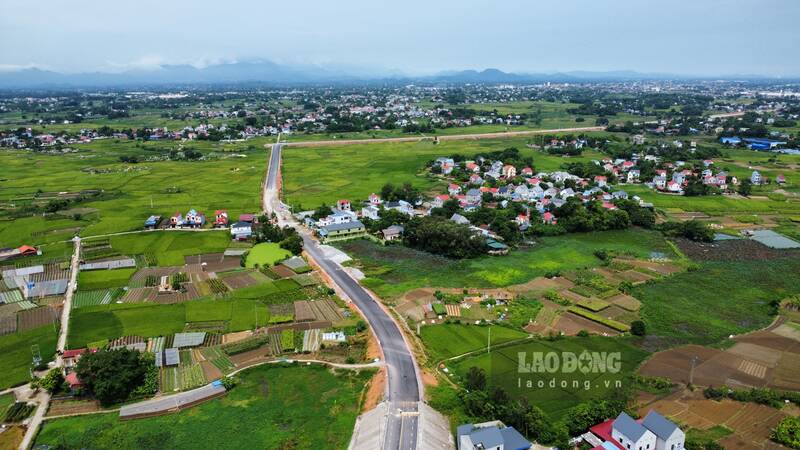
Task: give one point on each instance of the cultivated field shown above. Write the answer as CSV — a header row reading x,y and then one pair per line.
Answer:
x,y
128,189
501,369
394,270
272,407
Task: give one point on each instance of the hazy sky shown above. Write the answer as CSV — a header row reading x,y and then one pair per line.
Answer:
x,y
703,37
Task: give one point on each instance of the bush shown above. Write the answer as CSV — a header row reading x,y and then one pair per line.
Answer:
x,y
787,432
638,328
53,381
229,382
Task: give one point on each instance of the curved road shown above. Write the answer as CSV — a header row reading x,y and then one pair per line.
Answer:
x,y
403,390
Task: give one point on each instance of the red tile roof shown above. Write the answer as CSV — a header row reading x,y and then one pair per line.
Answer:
x,y
73,353
603,431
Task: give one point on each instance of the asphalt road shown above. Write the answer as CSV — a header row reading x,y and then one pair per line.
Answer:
x,y
403,390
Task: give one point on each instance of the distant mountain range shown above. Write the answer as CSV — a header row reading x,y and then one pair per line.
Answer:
x,y
269,73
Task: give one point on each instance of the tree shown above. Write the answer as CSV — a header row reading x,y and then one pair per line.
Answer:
x,y
112,375
443,237
53,381
638,328
476,379
323,211
293,243
745,188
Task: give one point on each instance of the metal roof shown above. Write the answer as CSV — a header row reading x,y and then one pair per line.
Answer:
x,y
629,428
188,339
659,425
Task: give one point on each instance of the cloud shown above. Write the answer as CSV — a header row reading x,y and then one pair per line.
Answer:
x,y
18,67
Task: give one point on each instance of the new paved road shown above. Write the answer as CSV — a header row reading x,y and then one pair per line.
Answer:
x,y
403,391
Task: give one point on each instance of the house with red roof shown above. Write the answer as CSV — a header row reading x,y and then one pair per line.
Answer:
x,y
343,205
439,200
374,199
453,189
601,180
653,432
220,218
549,218
74,382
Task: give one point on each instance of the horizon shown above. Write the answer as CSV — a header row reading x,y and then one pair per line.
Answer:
x,y
706,39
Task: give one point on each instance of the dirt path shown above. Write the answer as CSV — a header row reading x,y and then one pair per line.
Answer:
x,y
454,137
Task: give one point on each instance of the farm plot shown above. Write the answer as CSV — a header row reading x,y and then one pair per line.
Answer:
x,y
217,286
155,344
303,312
306,279
8,325
243,280
139,294
104,279
98,297
37,317
281,313
218,358
182,378
312,340
326,309
151,276
275,344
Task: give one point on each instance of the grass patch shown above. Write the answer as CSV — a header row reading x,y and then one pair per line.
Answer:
x,y
719,299
448,340
170,247
266,254
104,279
501,368
16,356
272,407
394,270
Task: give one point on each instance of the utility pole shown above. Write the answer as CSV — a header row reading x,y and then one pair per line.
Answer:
x,y
691,371
489,340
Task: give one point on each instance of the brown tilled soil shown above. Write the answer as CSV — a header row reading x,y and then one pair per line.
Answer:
x,y
210,371
758,359
731,250
536,286
37,317
240,280
243,359
626,302
283,271
64,407
751,423
571,324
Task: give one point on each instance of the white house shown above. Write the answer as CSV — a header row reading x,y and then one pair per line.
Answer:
x,y
668,435
241,230
402,206
370,212
755,178
631,434
336,218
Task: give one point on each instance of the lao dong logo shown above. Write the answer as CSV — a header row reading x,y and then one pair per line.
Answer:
x,y
568,362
